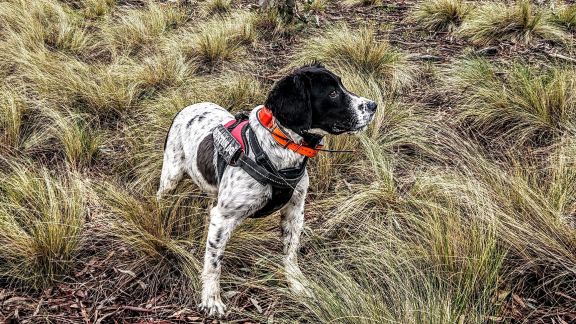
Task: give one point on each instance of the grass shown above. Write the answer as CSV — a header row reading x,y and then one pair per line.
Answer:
x,y
41,222
94,9
13,109
211,7
77,136
456,204
359,50
220,41
138,29
565,16
441,15
271,25
44,24
158,237
528,106
522,23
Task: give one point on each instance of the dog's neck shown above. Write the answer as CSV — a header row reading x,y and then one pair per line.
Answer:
x,y
280,156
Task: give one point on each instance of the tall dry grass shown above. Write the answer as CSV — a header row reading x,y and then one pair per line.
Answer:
x,y
521,22
41,224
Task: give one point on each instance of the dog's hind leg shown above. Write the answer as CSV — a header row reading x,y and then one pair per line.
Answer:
x,y
172,169
292,225
219,232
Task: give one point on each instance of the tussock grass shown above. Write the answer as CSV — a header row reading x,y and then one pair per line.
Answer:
x,y
104,90
441,15
218,41
563,181
159,237
76,135
44,24
383,284
271,25
235,91
359,50
13,108
97,8
526,106
316,6
211,7
138,29
565,16
164,71
41,222
521,22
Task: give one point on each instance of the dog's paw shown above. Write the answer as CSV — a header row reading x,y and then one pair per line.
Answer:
x,y
213,306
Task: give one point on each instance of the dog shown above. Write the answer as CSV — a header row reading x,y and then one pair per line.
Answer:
x,y
300,110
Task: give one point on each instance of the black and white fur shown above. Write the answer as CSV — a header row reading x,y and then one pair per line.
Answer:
x,y
309,103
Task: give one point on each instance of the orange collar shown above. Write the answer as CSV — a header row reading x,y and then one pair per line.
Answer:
x,y
267,120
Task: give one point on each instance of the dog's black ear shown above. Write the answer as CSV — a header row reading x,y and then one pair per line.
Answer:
x,y
289,101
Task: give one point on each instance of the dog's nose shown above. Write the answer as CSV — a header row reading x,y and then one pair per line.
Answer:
x,y
371,106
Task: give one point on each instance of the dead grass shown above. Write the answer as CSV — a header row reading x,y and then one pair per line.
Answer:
x,y
137,29
441,15
565,16
212,7
41,223
527,106
521,22
359,50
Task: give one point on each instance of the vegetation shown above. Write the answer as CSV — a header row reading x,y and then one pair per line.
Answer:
x,y
566,16
441,15
458,204
521,23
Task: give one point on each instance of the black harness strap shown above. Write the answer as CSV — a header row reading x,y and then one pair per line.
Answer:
x,y
262,170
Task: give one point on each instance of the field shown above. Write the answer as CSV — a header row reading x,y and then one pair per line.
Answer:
x,y
458,204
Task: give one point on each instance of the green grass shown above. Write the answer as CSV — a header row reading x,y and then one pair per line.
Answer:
x,y
522,23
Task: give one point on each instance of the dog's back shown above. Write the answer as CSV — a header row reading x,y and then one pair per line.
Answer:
x,y
189,141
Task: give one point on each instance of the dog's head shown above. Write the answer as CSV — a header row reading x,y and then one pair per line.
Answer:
x,y
313,100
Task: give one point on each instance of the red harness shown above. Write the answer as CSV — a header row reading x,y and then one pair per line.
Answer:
x,y
236,131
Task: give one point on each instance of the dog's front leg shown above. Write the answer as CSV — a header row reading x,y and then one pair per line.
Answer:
x,y
219,231
292,224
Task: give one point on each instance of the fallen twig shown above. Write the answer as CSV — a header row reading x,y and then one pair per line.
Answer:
x,y
563,57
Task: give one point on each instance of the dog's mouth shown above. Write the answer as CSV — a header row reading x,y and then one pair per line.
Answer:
x,y
362,127
358,130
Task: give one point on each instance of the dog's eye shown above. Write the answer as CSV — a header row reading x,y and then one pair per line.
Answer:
x,y
333,94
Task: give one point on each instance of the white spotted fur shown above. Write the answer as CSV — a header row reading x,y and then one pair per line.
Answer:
x,y
238,194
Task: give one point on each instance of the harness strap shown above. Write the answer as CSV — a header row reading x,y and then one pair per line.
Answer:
x,y
260,168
